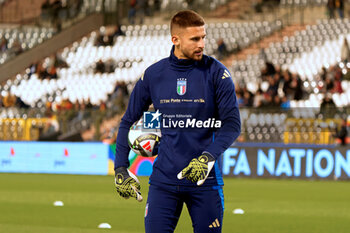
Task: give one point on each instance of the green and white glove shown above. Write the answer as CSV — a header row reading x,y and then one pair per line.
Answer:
x,y
127,184
198,169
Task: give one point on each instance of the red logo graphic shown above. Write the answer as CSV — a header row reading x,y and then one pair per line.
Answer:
x,y
147,146
12,152
66,152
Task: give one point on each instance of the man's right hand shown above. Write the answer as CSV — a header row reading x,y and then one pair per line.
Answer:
x,y
127,184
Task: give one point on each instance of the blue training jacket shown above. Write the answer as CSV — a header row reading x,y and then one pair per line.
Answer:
x,y
181,89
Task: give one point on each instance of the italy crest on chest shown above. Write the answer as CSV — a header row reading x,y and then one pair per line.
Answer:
x,y
181,86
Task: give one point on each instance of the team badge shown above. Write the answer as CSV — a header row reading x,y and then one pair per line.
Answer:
x,y
181,86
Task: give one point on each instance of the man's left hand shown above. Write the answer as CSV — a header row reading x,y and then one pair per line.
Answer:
x,y
198,169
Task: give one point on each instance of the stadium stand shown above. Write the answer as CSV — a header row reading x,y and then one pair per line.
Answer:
x,y
79,82
304,54
132,48
291,3
84,86
16,40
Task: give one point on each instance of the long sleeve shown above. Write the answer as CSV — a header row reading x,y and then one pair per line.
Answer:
x,y
228,113
139,102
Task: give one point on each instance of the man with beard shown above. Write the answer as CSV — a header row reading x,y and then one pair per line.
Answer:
x,y
191,84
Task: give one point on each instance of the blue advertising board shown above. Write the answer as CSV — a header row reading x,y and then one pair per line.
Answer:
x,y
280,160
54,157
240,160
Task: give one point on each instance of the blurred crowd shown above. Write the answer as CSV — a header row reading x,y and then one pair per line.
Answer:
x,y
278,87
47,69
65,112
281,87
8,100
58,10
108,66
106,38
139,9
335,7
10,47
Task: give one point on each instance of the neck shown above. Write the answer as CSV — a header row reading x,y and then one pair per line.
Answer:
x,y
180,62
178,54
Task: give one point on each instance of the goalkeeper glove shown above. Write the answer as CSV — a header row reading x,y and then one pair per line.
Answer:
x,y
127,184
198,169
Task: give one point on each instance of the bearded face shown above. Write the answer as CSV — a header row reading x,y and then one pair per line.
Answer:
x,y
189,43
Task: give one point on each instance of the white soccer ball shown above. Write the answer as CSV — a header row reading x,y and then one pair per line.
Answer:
x,y
142,141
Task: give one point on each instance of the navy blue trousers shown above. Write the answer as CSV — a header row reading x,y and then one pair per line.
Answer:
x,y
165,202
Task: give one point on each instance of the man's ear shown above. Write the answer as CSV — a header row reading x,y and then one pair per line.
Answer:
x,y
175,39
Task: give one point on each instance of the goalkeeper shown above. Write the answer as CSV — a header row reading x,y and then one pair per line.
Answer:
x,y
186,171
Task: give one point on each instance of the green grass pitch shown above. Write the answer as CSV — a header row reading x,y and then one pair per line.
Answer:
x,y
271,206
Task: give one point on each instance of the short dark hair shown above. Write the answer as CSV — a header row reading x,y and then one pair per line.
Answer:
x,y
186,18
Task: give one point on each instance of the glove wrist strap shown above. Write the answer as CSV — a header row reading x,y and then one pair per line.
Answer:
x,y
210,157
